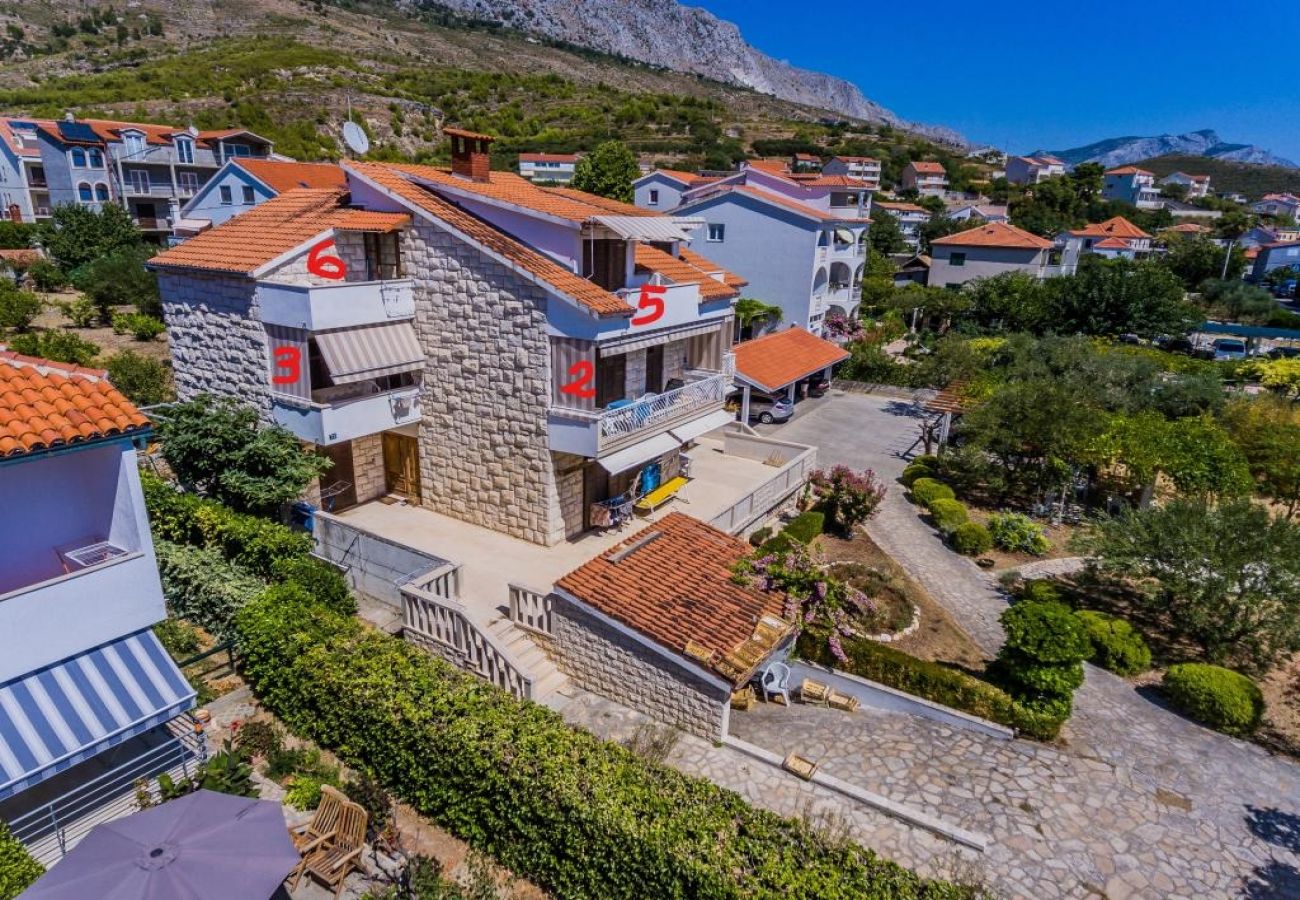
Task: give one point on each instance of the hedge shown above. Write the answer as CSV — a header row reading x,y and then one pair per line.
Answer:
x,y
914,471
971,539
1115,645
805,526
926,490
948,515
932,681
1224,700
579,816
199,584
17,868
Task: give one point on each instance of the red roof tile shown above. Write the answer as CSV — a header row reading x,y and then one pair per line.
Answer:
x,y
678,271
926,167
802,209
995,234
1128,170
1118,227
548,157
1111,244
704,264
281,176
776,360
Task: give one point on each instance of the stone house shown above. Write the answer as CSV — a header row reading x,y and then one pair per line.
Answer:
x,y
986,251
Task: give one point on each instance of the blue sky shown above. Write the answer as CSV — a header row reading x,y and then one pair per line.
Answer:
x,y
1084,74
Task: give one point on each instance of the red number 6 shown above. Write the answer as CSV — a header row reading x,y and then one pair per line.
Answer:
x,y
287,358
330,266
651,303
584,373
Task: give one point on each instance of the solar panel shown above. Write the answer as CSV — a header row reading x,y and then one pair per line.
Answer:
x,y
78,131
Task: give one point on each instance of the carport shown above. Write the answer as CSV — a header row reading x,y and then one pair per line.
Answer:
x,y
779,361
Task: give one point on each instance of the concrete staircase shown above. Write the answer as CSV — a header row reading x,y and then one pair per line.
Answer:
x,y
550,686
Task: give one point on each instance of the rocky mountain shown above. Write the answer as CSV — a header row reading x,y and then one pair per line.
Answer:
x,y
683,39
1207,143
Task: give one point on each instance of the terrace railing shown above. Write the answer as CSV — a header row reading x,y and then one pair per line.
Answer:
x,y
530,609
662,409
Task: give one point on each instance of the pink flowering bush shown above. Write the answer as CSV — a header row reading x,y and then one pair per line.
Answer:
x,y
841,326
847,498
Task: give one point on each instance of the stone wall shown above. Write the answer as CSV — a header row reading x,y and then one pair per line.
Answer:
x,y
603,660
218,346
349,246
484,445
634,371
569,485
368,467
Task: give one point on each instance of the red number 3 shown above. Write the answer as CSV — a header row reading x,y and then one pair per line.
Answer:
x,y
289,358
331,266
584,373
651,304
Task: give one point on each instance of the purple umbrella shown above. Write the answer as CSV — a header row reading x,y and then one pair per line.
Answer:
x,y
203,846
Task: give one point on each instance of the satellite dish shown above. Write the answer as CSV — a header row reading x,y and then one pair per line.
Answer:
x,y
355,138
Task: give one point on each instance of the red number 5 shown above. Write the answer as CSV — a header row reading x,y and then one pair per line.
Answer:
x,y
289,358
331,266
584,373
651,304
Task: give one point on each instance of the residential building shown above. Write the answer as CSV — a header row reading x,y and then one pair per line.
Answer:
x,y
1235,197
1281,206
244,182
1197,185
965,211
662,189
548,168
805,163
1260,235
24,190
988,250
926,178
149,169
1131,185
1115,238
90,699
863,168
910,218
1180,209
1276,256
1033,169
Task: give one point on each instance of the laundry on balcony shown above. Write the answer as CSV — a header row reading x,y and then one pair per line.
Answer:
x,y
371,351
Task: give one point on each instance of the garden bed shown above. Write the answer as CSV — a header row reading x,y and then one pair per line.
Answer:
x,y
893,615
52,318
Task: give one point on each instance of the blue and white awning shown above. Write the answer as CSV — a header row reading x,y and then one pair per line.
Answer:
x,y
56,717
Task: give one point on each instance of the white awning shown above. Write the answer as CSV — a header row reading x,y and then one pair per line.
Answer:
x,y
193,226
358,354
654,338
646,228
703,425
650,448
844,236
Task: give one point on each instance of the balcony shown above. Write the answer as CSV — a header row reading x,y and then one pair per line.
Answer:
x,y
346,412
344,305
145,223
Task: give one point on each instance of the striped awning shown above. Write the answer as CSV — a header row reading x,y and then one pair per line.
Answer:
x,y
640,341
61,715
648,228
358,354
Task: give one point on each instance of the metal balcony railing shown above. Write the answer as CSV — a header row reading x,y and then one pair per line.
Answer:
x,y
661,410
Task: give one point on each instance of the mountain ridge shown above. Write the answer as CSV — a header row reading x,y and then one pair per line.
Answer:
x,y
1206,143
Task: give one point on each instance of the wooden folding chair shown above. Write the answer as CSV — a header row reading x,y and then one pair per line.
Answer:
x,y
323,824
333,862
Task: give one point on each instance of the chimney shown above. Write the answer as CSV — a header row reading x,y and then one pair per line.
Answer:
x,y
469,154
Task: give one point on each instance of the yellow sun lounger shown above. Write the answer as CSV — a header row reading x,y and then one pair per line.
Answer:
x,y
662,494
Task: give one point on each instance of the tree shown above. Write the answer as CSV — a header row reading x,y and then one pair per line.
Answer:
x,y
56,345
1174,191
80,235
1226,577
220,448
1235,301
609,171
885,236
940,225
1196,259
1011,301
121,278
750,312
1280,375
1267,430
18,308
1118,296
16,235
1195,453
143,379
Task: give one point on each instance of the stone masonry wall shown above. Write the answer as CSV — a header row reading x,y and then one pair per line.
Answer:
x,y
349,246
634,371
569,486
368,467
484,446
218,346
604,661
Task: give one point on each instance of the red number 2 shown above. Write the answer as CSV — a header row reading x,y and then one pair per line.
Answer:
x,y
651,303
289,358
331,266
584,373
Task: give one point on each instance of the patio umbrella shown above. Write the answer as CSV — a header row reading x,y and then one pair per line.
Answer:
x,y
203,846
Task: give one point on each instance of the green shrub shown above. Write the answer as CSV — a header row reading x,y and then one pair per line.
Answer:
x,y
180,639
46,276
202,586
81,312
1041,662
947,514
1018,533
1041,590
926,490
580,817
257,737
914,471
144,380
848,498
140,326
17,868
972,539
319,579
779,543
1224,700
758,537
58,346
927,459
1115,645
18,308
805,526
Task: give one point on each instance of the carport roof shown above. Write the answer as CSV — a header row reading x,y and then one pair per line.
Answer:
x,y
776,361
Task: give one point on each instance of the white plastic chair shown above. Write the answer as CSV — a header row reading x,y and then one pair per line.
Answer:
x,y
775,679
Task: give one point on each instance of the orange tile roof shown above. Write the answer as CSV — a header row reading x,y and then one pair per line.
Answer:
x,y
471,135
548,157
704,264
1117,227
927,167
45,405
776,360
900,207
1128,170
22,256
1189,228
392,179
281,176
672,583
995,234
247,242
802,209
601,204
832,181
9,137
223,133
687,178
678,271
1111,244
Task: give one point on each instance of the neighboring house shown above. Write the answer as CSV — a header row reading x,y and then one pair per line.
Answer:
x,y
1183,210
777,362
1197,185
863,168
910,218
556,168
244,182
89,699
662,189
1115,238
926,178
24,191
1235,197
1274,234
1189,229
658,623
963,211
1282,206
805,162
986,251
1275,256
1131,185
1033,169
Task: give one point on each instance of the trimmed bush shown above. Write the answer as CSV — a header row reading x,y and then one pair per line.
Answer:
x,y
17,868
847,498
138,325
1018,533
1041,662
780,543
948,515
914,471
1115,645
581,817
1041,590
972,539
758,537
319,579
805,526
1220,698
926,490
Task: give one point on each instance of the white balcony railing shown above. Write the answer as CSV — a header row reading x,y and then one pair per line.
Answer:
x,y
662,410
348,304
356,413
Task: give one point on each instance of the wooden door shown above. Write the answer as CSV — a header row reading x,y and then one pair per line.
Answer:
x,y
595,487
402,465
654,369
611,380
339,483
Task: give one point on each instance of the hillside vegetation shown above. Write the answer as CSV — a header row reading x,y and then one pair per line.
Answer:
x,y
1252,180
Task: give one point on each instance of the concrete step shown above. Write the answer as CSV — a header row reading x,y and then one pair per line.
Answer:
x,y
550,684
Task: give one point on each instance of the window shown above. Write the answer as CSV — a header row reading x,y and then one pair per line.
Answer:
x,y
248,195
654,198
185,150
227,196
78,158
84,193
717,233
139,179
188,181
238,150
956,259
96,158
133,143
101,192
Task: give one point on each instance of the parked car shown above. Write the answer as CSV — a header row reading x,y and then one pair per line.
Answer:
x,y
765,408
816,386
1284,353
1229,348
1178,344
